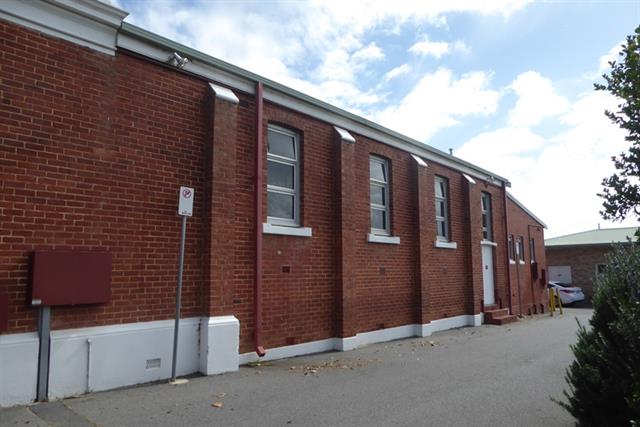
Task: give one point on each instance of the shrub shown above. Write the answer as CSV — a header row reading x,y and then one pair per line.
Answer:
x,y
604,378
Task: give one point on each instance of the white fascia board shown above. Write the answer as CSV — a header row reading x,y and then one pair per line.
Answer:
x,y
87,23
419,161
162,54
224,93
527,211
344,135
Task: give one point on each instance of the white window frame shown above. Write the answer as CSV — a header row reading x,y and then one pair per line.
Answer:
x,y
445,199
295,192
532,249
520,249
487,232
386,188
511,248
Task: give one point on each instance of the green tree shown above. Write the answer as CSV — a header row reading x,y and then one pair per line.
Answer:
x,y
621,191
604,378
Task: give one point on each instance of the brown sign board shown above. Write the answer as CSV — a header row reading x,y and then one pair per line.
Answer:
x,y
70,277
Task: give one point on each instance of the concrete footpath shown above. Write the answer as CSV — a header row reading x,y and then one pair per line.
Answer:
x,y
484,376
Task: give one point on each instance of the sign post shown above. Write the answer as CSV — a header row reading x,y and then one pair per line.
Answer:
x,y
185,209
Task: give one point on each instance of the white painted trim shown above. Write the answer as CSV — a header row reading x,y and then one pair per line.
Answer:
x,y
224,93
445,245
419,161
219,344
365,338
511,261
344,135
312,347
527,211
286,231
18,368
522,262
377,238
468,178
87,23
488,243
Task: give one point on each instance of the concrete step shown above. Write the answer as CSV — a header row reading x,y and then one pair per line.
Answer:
x,y
502,320
492,314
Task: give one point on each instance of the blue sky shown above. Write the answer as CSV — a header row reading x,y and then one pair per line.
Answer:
x,y
507,84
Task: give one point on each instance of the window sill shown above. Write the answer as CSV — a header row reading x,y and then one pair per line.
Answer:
x,y
286,231
389,240
488,243
445,245
511,261
522,263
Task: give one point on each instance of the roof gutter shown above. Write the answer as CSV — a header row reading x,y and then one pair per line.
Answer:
x,y
148,44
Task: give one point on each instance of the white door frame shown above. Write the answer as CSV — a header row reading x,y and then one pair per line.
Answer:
x,y
488,277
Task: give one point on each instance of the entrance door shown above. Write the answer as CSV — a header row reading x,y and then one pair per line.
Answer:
x,y
487,274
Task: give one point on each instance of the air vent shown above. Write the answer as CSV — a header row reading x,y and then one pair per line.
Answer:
x,y
153,363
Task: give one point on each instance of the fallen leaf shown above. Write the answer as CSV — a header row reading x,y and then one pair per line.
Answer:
x,y
217,404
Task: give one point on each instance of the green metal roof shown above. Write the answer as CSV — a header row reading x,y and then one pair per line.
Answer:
x,y
603,236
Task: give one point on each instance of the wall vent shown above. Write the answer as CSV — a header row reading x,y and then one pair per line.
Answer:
x,y
153,363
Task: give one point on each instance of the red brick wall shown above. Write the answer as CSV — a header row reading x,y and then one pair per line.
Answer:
x,y
93,150
582,260
528,293
95,147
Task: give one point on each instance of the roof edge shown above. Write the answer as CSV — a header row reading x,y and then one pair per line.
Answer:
x,y
524,208
250,78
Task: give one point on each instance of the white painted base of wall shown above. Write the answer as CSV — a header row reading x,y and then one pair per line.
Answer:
x,y
365,338
219,344
18,368
107,357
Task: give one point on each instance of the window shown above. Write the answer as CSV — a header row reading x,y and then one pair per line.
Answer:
x,y
442,208
487,232
532,249
283,177
520,249
600,269
511,250
379,193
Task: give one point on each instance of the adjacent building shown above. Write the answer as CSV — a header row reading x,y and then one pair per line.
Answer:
x,y
579,258
313,229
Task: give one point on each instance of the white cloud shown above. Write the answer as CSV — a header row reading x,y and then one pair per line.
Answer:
x,y
438,100
556,177
323,43
537,100
612,55
426,47
397,72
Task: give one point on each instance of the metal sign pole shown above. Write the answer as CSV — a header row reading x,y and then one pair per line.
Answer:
x,y
44,335
185,209
178,299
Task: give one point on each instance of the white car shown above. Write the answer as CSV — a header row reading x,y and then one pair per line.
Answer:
x,y
568,294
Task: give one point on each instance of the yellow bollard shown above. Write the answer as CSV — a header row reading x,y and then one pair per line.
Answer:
x,y
559,301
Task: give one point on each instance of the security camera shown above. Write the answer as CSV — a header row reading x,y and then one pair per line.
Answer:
x,y
178,60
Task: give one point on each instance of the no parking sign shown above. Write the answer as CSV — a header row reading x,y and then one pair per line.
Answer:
x,y
185,203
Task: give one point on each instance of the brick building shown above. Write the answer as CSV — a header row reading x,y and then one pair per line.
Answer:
x,y
578,258
313,229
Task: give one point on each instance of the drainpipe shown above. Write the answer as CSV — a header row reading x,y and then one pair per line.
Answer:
x,y
506,239
257,296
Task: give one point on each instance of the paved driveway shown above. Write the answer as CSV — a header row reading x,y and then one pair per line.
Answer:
x,y
484,376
